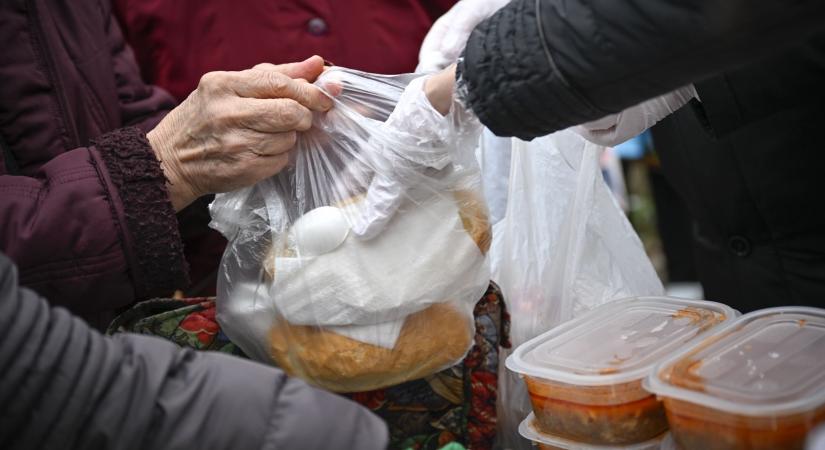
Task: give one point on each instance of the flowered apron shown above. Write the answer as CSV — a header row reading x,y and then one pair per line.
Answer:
x,y
450,410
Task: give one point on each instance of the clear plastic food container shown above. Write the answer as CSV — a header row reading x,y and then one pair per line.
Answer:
x,y
585,376
757,383
544,441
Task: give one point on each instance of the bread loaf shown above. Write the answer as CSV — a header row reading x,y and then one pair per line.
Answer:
x,y
430,340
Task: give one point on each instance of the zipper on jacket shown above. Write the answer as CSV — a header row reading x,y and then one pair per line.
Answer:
x,y
44,52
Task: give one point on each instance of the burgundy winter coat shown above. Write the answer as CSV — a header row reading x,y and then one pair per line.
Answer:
x,y
85,211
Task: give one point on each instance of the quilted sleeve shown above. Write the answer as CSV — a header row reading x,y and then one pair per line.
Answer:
x,y
538,66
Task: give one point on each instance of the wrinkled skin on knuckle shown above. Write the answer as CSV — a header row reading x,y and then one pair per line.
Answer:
x,y
191,118
281,142
259,113
232,112
299,117
212,83
246,169
231,118
232,145
306,120
207,81
264,67
260,145
276,83
276,144
289,114
290,138
254,116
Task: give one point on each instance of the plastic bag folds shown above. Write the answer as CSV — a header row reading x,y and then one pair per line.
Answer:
x,y
358,266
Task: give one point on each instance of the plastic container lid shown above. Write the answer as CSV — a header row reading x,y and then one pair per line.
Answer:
x,y
618,342
766,363
530,432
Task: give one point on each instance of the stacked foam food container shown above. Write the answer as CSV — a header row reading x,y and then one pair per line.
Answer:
x,y
658,372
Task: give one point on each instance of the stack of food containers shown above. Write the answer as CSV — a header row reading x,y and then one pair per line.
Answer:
x,y
549,442
585,377
756,383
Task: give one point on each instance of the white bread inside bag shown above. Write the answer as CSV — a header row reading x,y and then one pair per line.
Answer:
x,y
436,332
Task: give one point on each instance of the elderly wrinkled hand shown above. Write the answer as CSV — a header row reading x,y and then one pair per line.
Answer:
x,y
448,35
236,128
614,129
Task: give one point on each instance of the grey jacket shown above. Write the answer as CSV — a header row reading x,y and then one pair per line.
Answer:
x,y
65,386
539,66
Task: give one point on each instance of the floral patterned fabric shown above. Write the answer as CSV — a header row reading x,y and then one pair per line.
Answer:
x,y
453,409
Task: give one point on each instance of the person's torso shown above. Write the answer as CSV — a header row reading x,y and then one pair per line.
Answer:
x,y
57,87
755,190
177,41
760,182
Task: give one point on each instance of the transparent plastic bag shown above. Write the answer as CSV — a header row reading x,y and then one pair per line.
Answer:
x,y
493,154
358,267
563,248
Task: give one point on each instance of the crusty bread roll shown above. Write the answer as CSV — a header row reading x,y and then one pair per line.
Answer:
x,y
430,340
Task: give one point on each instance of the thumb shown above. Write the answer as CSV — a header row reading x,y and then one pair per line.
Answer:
x,y
308,69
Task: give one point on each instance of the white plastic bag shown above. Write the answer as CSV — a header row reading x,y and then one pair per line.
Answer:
x,y
493,155
563,247
359,266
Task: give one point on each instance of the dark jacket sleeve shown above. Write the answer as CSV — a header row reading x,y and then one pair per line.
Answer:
x,y
538,66
94,228
64,386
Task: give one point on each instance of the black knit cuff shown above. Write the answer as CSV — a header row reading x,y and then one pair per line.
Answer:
x,y
511,80
153,243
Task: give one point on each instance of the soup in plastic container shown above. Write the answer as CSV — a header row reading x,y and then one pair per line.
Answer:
x,y
757,383
544,441
585,376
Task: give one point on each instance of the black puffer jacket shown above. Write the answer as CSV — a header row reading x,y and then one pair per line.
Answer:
x,y
64,386
538,66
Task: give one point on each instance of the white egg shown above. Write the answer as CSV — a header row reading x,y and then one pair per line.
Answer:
x,y
319,231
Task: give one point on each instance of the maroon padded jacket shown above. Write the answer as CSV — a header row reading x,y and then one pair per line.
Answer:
x,y
85,211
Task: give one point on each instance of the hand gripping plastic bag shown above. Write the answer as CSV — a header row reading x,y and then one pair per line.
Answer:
x,y
563,247
358,267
